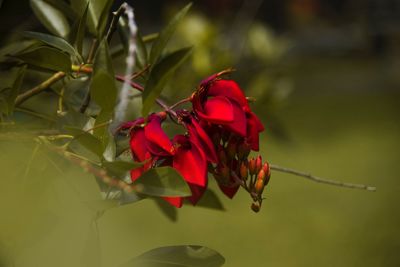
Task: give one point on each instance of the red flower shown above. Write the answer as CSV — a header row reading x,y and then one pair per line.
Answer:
x,y
223,102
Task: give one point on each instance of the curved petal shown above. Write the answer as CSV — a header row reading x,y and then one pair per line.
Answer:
x,y
191,163
138,144
229,89
202,140
217,110
254,127
158,141
197,193
238,125
174,201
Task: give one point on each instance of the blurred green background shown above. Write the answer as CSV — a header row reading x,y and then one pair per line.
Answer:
x,y
325,75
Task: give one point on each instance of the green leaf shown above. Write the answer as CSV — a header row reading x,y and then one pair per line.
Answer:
x,y
53,41
168,210
120,167
66,9
141,50
178,256
52,18
47,58
159,76
15,89
166,34
103,89
89,141
80,31
97,13
162,182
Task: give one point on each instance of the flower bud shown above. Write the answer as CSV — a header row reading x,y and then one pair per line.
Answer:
x,y
259,186
255,207
252,166
258,163
162,115
222,155
266,169
244,171
243,150
231,149
261,175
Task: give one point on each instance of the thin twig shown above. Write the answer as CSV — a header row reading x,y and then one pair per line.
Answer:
x,y
92,51
180,102
39,88
321,180
140,73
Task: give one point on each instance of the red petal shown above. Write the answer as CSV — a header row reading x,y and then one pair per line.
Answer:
x,y
158,141
217,110
254,128
174,201
202,140
239,123
229,191
138,144
191,163
229,89
197,193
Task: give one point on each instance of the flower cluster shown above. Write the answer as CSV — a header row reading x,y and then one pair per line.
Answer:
x,y
220,132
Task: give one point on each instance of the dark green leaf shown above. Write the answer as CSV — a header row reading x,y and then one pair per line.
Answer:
x,y
165,35
53,41
47,58
162,181
64,7
97,12
178,256
159,76
103,88
210,200
80,33
101,126
167,209
103,19
141,50
52,18
87,140
15,89
121,167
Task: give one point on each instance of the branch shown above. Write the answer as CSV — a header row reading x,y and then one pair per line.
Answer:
x,y
321,180
39,88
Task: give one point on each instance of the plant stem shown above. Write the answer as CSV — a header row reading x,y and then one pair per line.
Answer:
x,y
39,88
114,22
185,100
321,180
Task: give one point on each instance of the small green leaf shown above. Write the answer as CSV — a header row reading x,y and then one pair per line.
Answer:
x,y
120,167
178,256
47,58
97,13
103,88
53,41
80,32
15,89
159,76
166,34
162,182
89,141
52,18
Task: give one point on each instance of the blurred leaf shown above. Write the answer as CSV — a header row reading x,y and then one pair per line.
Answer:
x,y
66,9
97,13
141,49
165,35
47,58
87,140
52,18
53,41
159,76
129,198
15,89
168,210
16,47
103,88
120,167
80,31
111,149
103,19
178,256
162,181
101,127
210,200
